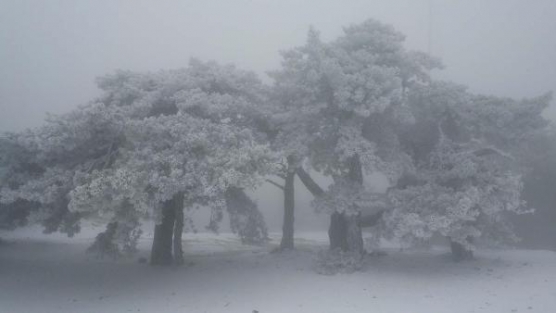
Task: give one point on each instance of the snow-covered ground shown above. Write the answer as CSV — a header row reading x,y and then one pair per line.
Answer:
x,y
54,274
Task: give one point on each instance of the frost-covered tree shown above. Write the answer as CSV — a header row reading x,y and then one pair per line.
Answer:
x,y
170,162
464,172
539,178
17,165
329,92
150,145
189,140
40,164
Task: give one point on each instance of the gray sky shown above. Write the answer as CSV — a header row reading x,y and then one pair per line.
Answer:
x,y
51,51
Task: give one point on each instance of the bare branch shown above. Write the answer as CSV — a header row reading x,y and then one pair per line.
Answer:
x,y
492,150
308,181
108,156
275,184
92,166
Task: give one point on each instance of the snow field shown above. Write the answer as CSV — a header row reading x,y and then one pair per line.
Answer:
x,y
54,274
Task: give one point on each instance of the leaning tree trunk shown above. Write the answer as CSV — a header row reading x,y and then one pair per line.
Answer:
x,y
178,229
161,252
289,206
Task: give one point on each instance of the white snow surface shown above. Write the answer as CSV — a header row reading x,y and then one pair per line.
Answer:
x,y
53,273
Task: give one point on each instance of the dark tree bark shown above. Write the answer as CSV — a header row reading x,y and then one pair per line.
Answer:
x,y
309,183
161,252
178,229
289,207
337,232
460,252
355,173
344,231
354,235
337,229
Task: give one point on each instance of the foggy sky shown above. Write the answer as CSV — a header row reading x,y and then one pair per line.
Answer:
x,y
51,51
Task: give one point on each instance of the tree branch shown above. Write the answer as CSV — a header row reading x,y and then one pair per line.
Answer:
x,y
309,183
492,150
108,156
275,184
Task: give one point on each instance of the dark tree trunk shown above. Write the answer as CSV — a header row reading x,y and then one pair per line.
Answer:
x,y
460,252
161,252
337,232
178,229
289,206
353,233
355,173
337,229
340,224
344,231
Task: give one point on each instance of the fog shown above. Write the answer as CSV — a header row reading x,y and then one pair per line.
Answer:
x,y
51,51
116,189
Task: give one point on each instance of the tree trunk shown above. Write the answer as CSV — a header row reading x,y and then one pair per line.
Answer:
x,y
337,232
460,252
161,252
337,228
344,231
355,173
178,229
353,233
289,206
